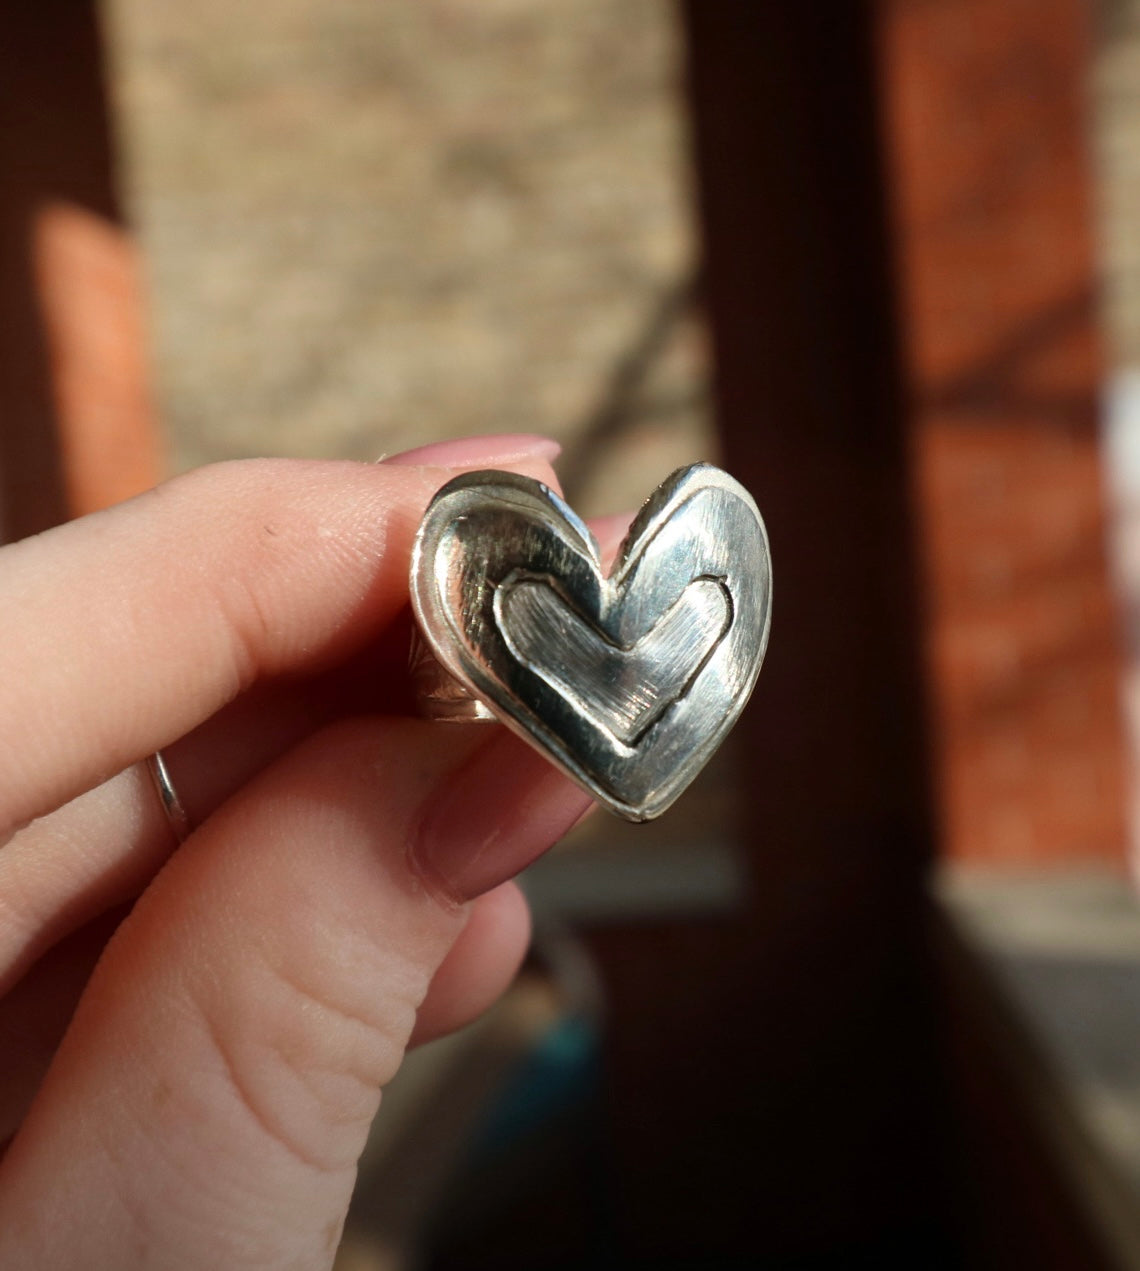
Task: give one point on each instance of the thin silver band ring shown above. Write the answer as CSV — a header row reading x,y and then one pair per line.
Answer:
x,y
168,796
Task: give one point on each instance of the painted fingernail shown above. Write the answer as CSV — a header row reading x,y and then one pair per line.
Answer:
x,y
465,451
503,808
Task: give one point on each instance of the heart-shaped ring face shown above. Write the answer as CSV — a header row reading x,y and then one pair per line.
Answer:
x,y
628,683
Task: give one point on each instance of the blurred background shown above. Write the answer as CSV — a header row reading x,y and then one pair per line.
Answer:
x,y
869,995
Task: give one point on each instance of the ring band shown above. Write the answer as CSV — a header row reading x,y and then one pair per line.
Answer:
x,y
439,695
168,796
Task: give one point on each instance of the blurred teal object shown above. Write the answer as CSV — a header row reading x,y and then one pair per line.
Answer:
x,y
560,1073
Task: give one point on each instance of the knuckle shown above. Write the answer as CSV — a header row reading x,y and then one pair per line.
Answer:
x,y
309,1042
265,545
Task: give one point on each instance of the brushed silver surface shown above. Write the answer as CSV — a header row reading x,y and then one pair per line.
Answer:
x,y
628,683
623,688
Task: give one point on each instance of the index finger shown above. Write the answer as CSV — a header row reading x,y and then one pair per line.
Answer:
x,y
126,629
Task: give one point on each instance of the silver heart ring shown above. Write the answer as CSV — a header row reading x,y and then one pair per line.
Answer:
x,y
629,682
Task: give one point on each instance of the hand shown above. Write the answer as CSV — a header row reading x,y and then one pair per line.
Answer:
x,y
192,1043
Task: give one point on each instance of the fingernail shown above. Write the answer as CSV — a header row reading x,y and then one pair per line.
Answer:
x,y
503,808
466,451
609,533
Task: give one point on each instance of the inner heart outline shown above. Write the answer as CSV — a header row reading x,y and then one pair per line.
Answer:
x,y
625,687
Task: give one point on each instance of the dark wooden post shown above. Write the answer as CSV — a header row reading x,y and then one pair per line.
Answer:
x,y
773,1079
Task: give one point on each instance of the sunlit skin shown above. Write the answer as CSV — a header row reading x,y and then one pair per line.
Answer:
x,y
201,1097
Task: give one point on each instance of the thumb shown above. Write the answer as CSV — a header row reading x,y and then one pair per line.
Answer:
x,y
210,1101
